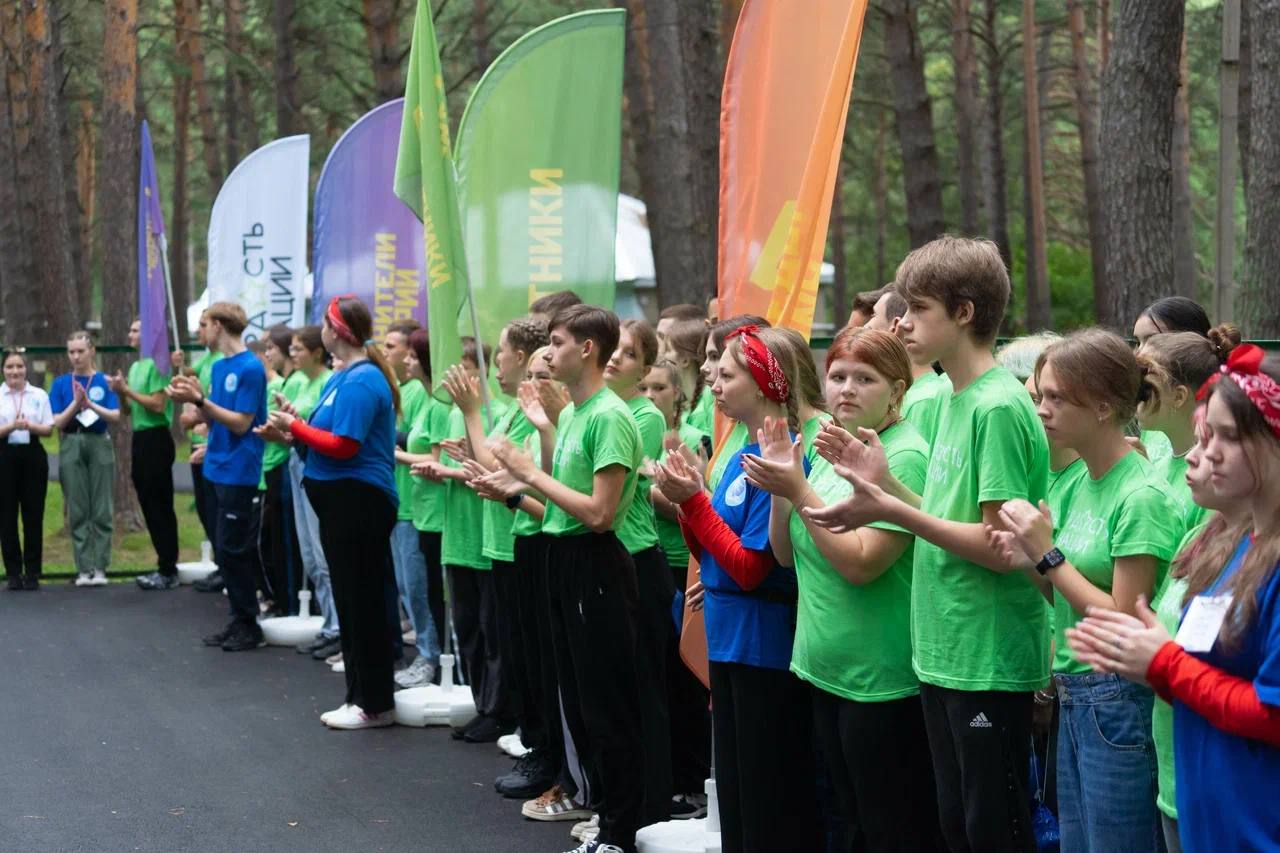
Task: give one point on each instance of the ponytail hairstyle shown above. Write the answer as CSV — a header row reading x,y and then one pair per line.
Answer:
x,y
1096,366
1184,359
688,342
783,346
673,378
1260,441
360,325
1177,314
527,334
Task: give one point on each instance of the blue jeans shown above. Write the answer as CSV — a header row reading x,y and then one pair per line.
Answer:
x,y
411,579
1106,765
313,561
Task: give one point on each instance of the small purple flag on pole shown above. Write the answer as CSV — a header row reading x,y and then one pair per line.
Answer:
x,y
153,272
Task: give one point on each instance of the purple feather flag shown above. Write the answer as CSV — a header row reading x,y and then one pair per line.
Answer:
x,y
152,291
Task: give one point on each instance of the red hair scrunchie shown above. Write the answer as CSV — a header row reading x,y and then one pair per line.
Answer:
x,y
1244,367
765,368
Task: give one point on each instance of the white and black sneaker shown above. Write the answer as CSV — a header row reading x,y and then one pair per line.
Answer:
x,y
594,846
157,581
688,806
416,674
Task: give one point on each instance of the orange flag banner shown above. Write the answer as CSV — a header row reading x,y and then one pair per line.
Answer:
x,y
782,117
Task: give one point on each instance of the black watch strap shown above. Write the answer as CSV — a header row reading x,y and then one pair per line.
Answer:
x,y
514,500
1051,560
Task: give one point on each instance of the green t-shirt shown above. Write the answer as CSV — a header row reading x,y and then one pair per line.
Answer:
x,y
273,454
203,368
923,402
1173,471
972,628
412,397
736,441
499,522
855,641
462,540
638,530
703,415
146,379
598,434
669,535
524,523
1168,607
304,393
1062,484
428,497
1157,445
1125,513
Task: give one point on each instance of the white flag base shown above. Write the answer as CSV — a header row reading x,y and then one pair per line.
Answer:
x,y
189,573
293,630
445,704
685,836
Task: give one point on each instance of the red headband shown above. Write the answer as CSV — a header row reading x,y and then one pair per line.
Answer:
x,y
1244,366
334,316
764,368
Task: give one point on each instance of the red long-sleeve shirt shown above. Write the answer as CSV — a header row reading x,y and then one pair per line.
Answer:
x,y
704,528
1228,702
323,441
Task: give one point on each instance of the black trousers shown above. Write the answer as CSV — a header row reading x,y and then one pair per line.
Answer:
x,y
764,760
540,728
689,703
235,512
877,758
591,584
513,677
24,482
429,545
272,539
355,532
655,636
475,620
201,495
981,770
151,469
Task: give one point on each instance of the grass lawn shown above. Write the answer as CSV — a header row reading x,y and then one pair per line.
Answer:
x,y
131,553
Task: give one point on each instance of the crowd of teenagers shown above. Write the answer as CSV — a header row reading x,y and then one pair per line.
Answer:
x,y
939,584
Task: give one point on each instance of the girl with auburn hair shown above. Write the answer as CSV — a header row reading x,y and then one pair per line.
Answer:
x,y
762,738
1112,541
350,440
1222,676
1175,365
853,639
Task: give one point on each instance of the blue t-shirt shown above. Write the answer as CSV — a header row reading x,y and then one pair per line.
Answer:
x,y
755,627
239,384
61,395
1227,784
356,403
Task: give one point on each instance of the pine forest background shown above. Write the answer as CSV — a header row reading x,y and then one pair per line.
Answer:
x,y
1082,136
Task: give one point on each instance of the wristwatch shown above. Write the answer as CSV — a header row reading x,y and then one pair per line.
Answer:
x,y
514,500
200,402
1051,560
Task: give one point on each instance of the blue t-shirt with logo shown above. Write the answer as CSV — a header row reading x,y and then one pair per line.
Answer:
x,y
1226,789
754,627
61,395
356,403
239,384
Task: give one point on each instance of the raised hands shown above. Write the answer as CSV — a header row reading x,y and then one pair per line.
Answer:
x,y
463,388
457,448
531,405
516,460
118,385
281,420
554,398
866,504
1031,527
862,454
1110,641
677,479
779,469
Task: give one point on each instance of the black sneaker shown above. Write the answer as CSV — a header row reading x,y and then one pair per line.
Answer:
x,y
242,638
688,806
488,730
15,582
531,776
213,583
329,649
31,582
157,581
310,646
460,732
220,637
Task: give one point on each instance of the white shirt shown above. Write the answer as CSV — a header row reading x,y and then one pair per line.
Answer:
x,y
31,402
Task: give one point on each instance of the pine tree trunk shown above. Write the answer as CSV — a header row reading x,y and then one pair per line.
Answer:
x,y
53,237
247,116
683,148
231,101
192,23
177,227
1260,289
994,177
382,34
1039,315
1138,89
840,278
922,180
967,116
880,193
86,172
1087,120
288,122
66,142
1184,234
118,192
1245,65
20,311
480,34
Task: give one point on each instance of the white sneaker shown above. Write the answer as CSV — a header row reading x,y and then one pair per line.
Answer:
x,y
410,637
99,578
327,715
353,718
554,804
586,830
513,746
84,579
339,667
416,674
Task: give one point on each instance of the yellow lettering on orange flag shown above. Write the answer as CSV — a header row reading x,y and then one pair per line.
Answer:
x,y
764,274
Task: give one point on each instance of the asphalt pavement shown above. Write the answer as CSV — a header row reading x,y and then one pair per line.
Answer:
x,y
124,733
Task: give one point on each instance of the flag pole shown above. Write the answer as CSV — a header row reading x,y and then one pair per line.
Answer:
x,y
484,368
168,287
